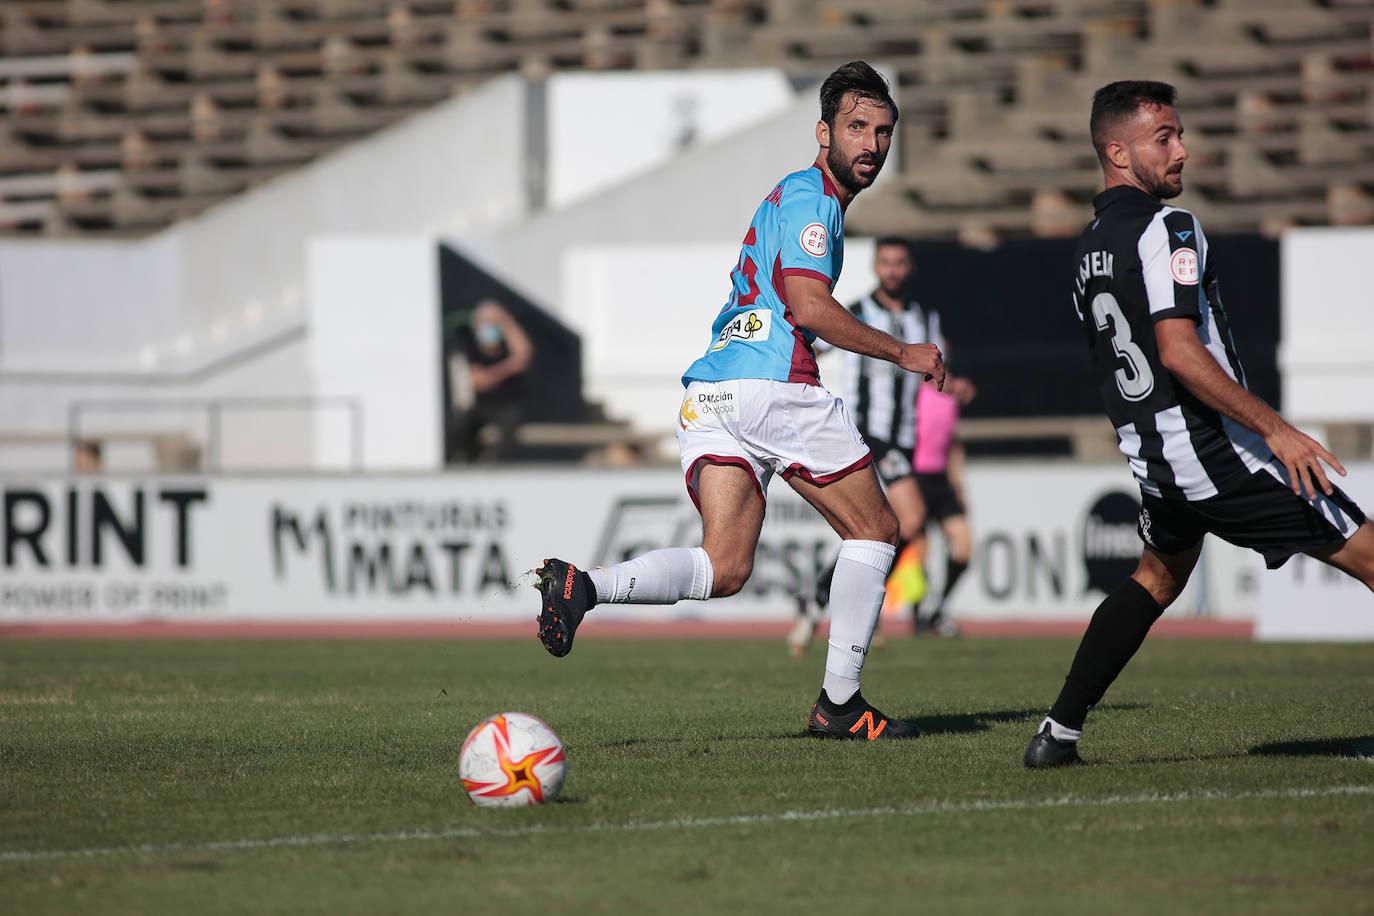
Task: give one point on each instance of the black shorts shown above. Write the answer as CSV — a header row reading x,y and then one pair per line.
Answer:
x,y
1263,514
937,491
892,462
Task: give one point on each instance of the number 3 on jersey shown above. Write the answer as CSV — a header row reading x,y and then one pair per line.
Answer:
x,y
1135,381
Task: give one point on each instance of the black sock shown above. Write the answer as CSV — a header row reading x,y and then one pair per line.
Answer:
x,y
1114,634
589,588
850,705
954,569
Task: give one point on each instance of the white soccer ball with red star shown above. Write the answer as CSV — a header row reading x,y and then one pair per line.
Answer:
x,y
512,760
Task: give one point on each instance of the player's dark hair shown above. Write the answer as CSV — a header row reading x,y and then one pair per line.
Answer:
x,y
893,240
862,80
1115,102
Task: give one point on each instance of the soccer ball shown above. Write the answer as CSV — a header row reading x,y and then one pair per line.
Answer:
x,y
512,760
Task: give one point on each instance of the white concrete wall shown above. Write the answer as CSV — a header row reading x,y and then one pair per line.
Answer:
x,y
450,169
374,335
708,194
254,437
74,302
85,304
651,119
155,318
1326,358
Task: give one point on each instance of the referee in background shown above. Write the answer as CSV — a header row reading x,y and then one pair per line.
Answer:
x,y
1209,456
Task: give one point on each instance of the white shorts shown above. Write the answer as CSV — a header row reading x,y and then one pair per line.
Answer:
x,y
768,427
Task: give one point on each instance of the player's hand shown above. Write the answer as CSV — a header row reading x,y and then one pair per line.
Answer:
x,y
926,359
1303,456
484,378
961,389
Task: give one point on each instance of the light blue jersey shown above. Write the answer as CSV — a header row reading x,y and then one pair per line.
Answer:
x,y
798,230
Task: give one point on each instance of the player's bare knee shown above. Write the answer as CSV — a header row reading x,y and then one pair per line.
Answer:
x,y
729,581
1166,595
730,574
1163,588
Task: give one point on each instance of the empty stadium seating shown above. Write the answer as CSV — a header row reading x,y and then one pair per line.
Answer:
x,y
122,116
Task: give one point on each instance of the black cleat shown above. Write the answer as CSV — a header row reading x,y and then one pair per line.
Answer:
x,y
855,720
564,599
1045,750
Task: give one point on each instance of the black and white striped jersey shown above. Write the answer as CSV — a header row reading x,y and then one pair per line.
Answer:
x,y
881,396
1142,261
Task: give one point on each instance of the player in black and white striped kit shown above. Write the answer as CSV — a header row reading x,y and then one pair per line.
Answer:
x,y
1209,456
882,404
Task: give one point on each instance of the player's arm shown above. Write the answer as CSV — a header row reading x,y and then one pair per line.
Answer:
x,y
520,348
817,311
1190,362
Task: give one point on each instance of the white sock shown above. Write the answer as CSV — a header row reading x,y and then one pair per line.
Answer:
x,y
856,599
1059,732
658,577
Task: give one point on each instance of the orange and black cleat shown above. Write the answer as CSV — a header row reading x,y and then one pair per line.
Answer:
x,y
565,596
855,720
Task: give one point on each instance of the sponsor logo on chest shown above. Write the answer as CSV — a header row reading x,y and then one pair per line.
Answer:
x,y
750,327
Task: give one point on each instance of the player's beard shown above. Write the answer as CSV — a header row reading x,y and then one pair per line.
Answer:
x,y
1161,189
843,170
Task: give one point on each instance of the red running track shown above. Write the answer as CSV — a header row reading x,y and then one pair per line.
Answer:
x,y
1168,628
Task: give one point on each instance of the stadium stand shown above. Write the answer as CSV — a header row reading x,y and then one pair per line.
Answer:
x,y
123,116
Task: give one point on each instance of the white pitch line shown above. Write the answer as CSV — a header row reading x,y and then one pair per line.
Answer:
x,y
684,823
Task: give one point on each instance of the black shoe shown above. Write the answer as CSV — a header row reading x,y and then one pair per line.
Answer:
x,y
1045,750
565,596
855,720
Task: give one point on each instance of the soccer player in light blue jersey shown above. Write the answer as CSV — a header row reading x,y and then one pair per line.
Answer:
x,y
754,407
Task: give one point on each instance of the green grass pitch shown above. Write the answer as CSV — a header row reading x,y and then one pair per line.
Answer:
x,y
321,777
